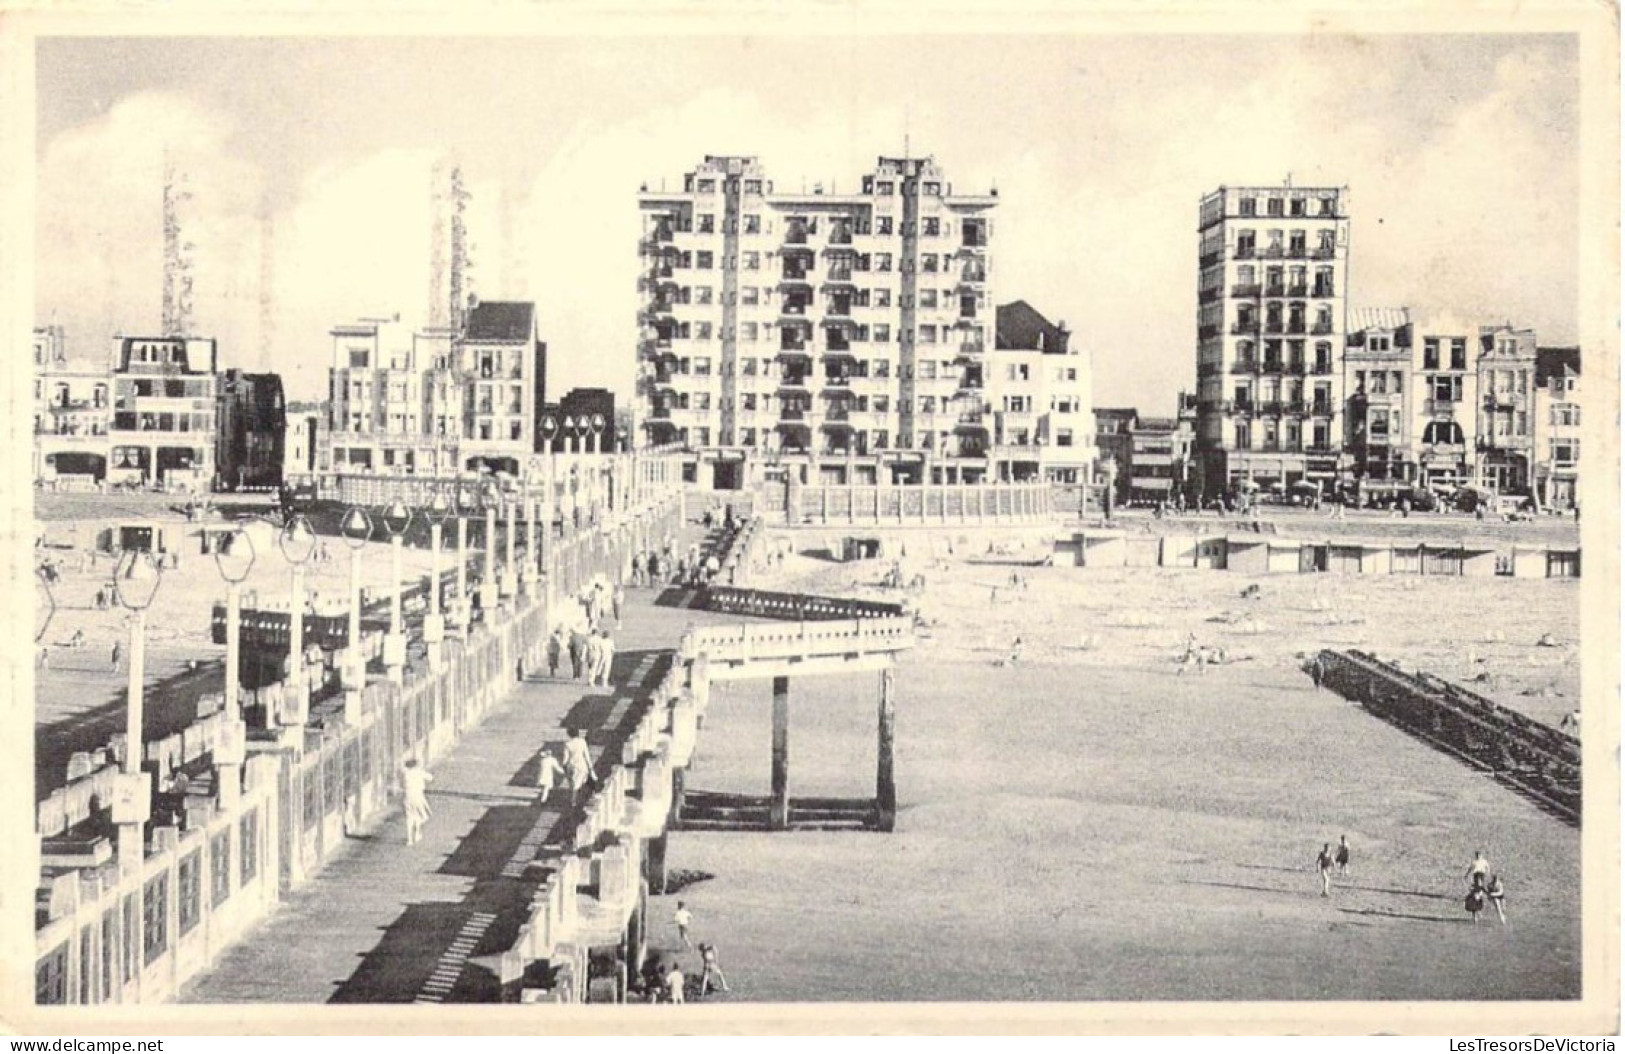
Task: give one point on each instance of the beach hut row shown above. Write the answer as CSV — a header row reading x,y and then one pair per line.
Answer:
x,y
1265,554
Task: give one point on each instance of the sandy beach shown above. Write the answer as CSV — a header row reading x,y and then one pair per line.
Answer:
x,y
1090,825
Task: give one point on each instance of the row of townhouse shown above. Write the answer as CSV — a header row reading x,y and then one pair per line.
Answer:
x,y
1295,389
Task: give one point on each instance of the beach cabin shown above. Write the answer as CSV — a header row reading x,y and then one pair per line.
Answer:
x,y
1179,550
1105,549
1248,554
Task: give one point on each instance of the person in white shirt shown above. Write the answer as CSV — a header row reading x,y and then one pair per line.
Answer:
x,y
548,771
674,983
684,919
415,780
577,761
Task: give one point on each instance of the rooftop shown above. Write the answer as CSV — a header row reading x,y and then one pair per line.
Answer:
x,y
1551,362
1019,327
500,320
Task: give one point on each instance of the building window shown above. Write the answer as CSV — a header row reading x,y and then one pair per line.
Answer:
x,y
753,222
704,261
933,226
1430,353
1275,206
1249,206
1458,353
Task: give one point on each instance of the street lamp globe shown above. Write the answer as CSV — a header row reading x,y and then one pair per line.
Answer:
x,y
397,519
136,579
298,540
356,527
234,555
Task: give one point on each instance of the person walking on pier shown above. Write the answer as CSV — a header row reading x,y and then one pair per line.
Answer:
x,y
595,656
606,657
577,762
1343,854
617,599
415,780
710,970
548,771
683,918
1324,862
578,653
555,651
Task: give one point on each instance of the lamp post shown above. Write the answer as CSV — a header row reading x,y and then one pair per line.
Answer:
x,y
234,559
135,584
527,576
356,530
488,579
510,577
298,544
397,518
434,623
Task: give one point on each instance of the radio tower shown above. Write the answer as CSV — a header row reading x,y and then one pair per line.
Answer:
x,y
437,245
177,319
460,260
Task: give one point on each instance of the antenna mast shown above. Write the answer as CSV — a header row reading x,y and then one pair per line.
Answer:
x,y
177,311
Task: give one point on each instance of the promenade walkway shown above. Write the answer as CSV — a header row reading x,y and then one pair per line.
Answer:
x,y
387,923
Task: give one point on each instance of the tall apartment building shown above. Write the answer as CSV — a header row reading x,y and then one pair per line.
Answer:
x,y
164,412
1557,427
845,335
1272,291
1043,420
1378,363
1506,415
434,401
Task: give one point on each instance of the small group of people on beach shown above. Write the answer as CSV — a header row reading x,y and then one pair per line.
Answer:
x,y
1484,887
669,983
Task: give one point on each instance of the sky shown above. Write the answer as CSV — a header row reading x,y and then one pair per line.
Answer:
x,y
308,164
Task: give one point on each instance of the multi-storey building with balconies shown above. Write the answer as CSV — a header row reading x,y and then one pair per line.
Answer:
x,y
164,412
72,413
1506,414
843,334
1043,420
435,402
1557,427
1444,401
1272,294
1377,375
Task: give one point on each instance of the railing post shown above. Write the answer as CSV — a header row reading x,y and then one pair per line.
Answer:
x,y
779,805
885,781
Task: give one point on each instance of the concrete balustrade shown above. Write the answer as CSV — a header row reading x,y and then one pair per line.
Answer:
x,y
120,935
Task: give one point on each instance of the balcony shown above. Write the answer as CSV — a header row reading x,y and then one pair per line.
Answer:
x,y
1323,252
839,351
1296,289
795,382
1206,332
1271,252
839,276
796,276
1294,368
795,234
1297,252
1244,366
1298,407
1243,252
1208,296
1322,368
1274,326
970,423
1246,289
1271,409
793,346
1275,290
794,309
837,380
1295,326
1321,329
792,415
970,349
1322,292
1440,407
1241,328
1320,408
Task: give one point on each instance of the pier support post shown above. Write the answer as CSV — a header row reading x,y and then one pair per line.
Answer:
x,y
885,781
778,808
